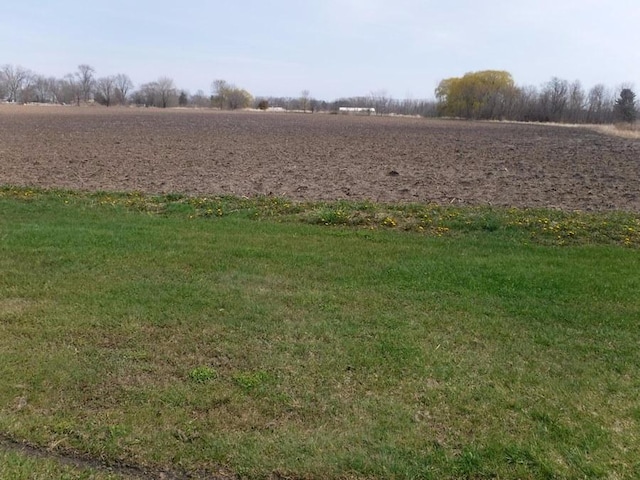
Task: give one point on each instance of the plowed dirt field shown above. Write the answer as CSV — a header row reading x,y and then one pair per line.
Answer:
x,y
318,157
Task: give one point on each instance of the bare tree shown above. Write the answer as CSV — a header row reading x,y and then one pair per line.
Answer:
x,y
597,104
28,93
380,100
161,93
15,79
576,103
3,87
166,91
66,90
41,89
554,98
220,90
44,89
200,99
123,86
304,100
527,105
105,90
86,81
73,88
57,95
146,95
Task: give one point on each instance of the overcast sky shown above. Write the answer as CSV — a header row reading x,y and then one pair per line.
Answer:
x,y
332,48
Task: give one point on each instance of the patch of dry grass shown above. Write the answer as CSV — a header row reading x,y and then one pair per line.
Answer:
x,y
624,130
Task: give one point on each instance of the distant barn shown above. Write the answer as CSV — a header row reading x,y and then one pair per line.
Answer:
x,y
357,111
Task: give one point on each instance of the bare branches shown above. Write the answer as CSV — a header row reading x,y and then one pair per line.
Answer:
x,y
86,81
123,86
15,80
105,90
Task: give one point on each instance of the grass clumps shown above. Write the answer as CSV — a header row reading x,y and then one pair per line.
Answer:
x,y
544,226
202,374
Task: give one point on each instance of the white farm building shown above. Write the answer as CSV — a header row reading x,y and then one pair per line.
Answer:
x,y
357,111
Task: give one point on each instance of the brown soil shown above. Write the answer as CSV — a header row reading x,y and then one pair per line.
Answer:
x,y
318,157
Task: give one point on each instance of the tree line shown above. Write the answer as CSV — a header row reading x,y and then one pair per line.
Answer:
x,y
493,95
486,95
20,85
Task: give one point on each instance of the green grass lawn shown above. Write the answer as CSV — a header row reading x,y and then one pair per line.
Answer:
x,y
230,336
22,466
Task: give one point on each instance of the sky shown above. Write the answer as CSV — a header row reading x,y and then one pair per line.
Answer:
x,y
332,48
